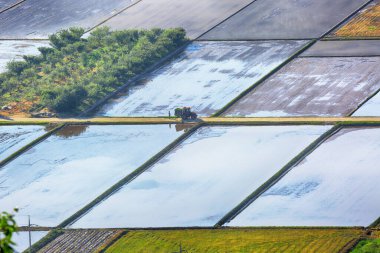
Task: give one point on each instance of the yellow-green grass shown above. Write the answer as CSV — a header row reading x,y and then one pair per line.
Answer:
x,y
366,24
236,240
375,234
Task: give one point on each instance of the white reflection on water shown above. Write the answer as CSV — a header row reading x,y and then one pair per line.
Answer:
x,y
60,175
13,138
206,77
203,178
14,50
337,185
370,108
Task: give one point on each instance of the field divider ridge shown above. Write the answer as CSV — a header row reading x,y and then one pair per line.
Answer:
x,y
278,176
355,121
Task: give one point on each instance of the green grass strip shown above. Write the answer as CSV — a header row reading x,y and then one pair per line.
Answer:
x,y
274,179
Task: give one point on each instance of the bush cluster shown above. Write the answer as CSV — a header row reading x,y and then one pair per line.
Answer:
x,y
74,72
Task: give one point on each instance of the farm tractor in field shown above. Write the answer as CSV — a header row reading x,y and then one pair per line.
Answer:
x,y
185,113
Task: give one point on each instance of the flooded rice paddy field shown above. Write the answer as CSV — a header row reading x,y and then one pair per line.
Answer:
x,y
206,76
38,18
336,185
4,4
313,87
196,17
12,138
14,50
65,172
22,239
369,108
198,182
285,19
346,48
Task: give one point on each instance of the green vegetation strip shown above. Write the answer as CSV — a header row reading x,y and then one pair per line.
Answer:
x,y
30,145
367,246
241,95
51,236
236,240
129,178
274,179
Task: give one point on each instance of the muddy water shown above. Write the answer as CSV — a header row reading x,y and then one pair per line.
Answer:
x,y
337,185
12,138
68,170
203,178
206,77
313,87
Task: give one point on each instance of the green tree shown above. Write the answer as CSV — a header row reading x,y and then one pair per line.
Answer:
x,y
7,228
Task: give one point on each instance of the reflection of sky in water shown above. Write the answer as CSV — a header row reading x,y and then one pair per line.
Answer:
x,y
14,50
203,178
370,108
60,175
13,138
336,185
22,239
206,77
295,190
